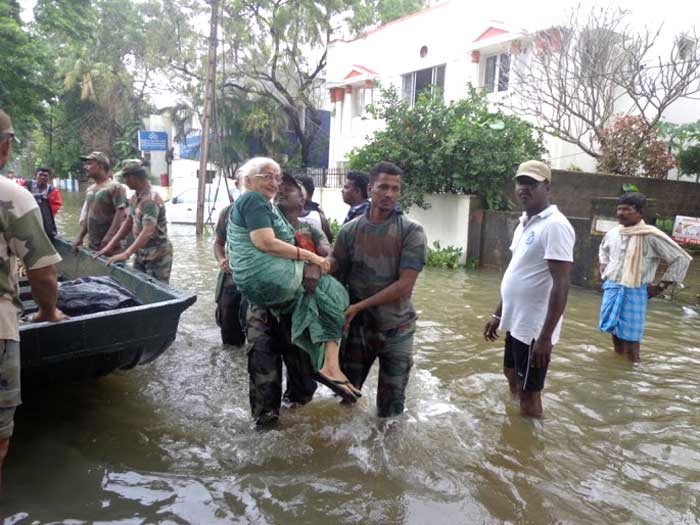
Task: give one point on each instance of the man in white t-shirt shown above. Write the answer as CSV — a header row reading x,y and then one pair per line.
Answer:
x,y
534,287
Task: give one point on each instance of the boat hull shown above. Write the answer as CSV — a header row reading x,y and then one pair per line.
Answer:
x,y
93,345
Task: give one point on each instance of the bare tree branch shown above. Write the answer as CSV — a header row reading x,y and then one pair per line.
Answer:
x,y
579,74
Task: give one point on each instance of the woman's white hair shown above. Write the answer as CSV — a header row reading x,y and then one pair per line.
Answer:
x,y
254,166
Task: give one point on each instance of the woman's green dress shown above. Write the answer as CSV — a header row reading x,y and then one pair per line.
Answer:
x,y
275,282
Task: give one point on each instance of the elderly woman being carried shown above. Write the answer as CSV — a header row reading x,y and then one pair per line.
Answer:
x,y
267,267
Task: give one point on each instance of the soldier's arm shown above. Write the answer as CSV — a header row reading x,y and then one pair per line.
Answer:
x,y
220,241
44,286
396,291
141,240
123,231
149,229
81,236
117,221
78,241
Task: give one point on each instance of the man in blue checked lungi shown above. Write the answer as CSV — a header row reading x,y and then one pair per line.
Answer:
x,y
629,257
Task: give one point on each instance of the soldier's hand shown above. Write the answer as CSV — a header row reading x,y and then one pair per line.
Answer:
x,y
52,316
77,243
350,314
120,257
224,265
312,274
491,329
323,263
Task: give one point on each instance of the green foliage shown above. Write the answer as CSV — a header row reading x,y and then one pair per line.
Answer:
x,y
75,80
689,160
370,12
278,53
665,224
335,228
26,68
629,147
680,136
626,188
439,257
462,147
497,201
684,143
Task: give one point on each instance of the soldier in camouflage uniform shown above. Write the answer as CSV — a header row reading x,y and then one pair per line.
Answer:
x,y
269,344
151,247
230,306
379,256
105,203
21,235
269,337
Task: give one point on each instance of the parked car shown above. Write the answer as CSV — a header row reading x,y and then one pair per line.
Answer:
x,y
182,208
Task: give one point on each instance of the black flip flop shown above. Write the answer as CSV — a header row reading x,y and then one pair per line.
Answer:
x,y
336,386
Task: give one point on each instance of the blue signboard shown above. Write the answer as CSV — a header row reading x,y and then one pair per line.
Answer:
x,y
153,140
189,148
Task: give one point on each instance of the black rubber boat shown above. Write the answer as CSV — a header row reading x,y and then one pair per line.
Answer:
x,y
93,345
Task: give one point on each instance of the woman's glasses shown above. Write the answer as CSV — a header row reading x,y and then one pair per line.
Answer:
x,y
267,177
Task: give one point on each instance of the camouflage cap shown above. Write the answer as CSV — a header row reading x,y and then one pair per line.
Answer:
x,y
132,167
98,156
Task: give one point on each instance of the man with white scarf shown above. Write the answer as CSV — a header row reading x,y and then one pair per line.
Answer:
x,y
629,257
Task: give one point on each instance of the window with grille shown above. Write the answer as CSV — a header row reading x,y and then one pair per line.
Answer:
x,y
415,83
361,98
497,73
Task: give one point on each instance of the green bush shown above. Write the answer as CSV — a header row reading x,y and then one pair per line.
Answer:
x,y
689,160
447,257
335,228
461,147
665,225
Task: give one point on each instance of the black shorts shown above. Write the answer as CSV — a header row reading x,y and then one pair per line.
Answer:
x,y
518,355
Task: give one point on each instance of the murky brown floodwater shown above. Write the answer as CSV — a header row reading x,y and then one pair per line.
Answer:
x,y
173,443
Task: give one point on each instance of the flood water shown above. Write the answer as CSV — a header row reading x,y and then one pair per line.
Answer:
x,y
173,443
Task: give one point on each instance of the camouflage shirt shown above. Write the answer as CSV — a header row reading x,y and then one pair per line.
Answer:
x,y
101,203
221,229
23,236
370,257
148,208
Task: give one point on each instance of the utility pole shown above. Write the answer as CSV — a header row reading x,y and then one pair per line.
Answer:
x,y
208,104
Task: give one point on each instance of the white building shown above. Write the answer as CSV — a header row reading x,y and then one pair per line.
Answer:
x,y
445,45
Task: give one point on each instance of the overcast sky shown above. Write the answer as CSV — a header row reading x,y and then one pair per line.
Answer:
x,y
537,13
676,15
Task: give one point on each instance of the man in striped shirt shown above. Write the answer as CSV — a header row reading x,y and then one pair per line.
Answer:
x,y
629,256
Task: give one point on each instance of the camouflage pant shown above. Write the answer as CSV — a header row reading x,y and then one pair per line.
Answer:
x,y
156,262
394,348
268,346
9,386
230,315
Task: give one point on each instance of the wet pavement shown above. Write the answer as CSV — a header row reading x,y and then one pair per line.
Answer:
x,y
173,443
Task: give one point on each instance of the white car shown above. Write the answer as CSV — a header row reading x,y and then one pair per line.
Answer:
x,y
182,208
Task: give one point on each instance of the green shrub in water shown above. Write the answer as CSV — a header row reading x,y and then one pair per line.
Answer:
x,y
447,257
